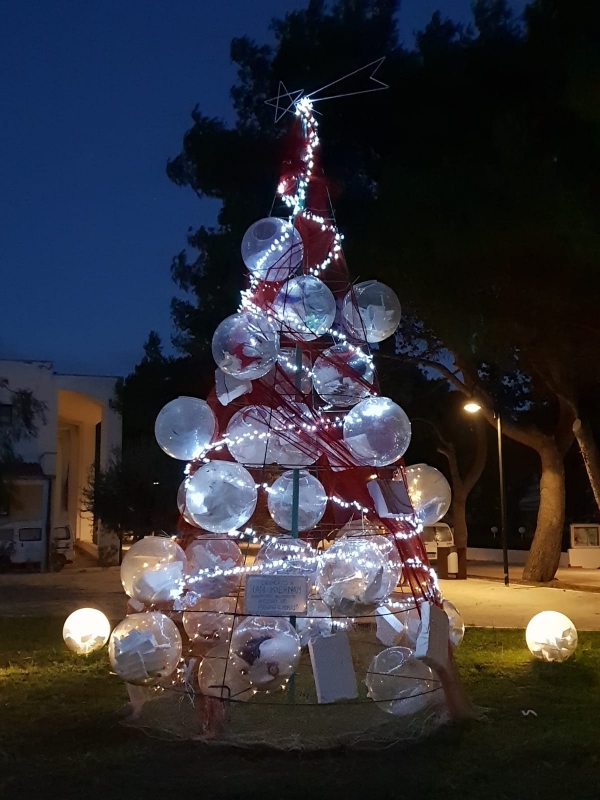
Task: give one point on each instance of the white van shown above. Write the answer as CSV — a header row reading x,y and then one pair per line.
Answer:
x,y
26,543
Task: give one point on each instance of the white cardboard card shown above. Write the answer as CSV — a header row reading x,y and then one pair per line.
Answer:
x,y
333,669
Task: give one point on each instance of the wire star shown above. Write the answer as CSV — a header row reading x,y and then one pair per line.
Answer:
x,y
276,102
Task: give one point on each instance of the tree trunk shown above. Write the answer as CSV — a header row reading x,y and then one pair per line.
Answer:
x,y
544,555
589,451
459,516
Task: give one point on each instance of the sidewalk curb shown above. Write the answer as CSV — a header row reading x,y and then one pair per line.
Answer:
x,y
553,584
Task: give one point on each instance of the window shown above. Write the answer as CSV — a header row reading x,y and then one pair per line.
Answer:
x,y
6,415
30,535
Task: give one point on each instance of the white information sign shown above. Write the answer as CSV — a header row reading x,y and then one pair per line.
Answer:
x,y
276,595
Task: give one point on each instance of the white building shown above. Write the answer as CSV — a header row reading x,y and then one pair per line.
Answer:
x,y
80,431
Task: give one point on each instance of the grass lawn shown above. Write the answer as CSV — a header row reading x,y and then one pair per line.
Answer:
x,y
60,737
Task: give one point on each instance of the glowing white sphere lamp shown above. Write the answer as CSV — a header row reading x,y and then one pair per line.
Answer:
x,y
551,636
86,630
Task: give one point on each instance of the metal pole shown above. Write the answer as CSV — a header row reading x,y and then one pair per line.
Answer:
x,y
502,500
295,503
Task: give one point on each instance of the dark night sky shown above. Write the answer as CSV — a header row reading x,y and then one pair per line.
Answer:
x,y
95,96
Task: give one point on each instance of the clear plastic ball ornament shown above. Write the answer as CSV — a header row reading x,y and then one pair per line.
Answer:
x,y
185,427
272,249
223,675
429,493
371,311
209,623
153,570
214,565
269,648
316,622
246,345
306,307
221,496
342,375
401,684
86,630
144,648
286,556
377,431
286,374
355,576
551,636
456,625
312,500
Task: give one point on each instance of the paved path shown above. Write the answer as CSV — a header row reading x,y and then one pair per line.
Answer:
x,y
481,602
566,577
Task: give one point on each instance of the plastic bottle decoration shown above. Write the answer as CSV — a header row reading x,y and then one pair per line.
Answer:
x,y
246,345
306,307
86,630
401,684
371,311
355,576
342,374
209,623
185,427
144,648
268,649
551,636
221,496
457,626
312,500
214,563
153,570
377,431
429,493
272,249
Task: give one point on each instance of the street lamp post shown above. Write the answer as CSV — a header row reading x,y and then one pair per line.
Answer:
x,y
472,407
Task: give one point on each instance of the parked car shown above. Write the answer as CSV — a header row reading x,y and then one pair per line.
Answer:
x,y
436,535
24,543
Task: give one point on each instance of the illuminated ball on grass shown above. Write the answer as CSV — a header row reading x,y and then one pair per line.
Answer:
x,y
429,493
371,311
153,570
306,307
286,556
355,575
221,496
551,636
86,630
377,431
221,674
401,684
246,345
343,375
185,427
214,565
272,249
457,627
312,500
144,648
209,623
268,649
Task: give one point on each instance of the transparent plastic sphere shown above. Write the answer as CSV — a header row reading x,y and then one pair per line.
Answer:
x,y
371,311
411,619
221,496
287,556
312,500
457,627
185,427
316,622
342,375
144,648
286,384
223,675
86,630
551,636
272,249
355,576
377,431
269,648
209,623
153,570
429,493
306,307
360,527
401,684
182,502
246,345
214,563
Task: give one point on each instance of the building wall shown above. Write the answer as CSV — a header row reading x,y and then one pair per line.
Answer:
x,y
26,504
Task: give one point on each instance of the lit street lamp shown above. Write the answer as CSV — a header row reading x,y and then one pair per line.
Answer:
x,y
473,408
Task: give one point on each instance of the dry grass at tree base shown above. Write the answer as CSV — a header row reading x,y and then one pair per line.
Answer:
x,y
59,735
